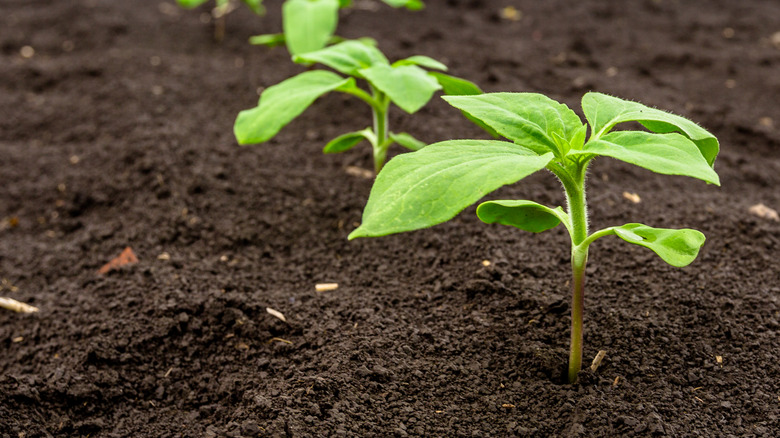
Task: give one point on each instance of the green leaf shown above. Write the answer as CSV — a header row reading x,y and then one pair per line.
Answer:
x,y
256,6
347,57
454,85
408,86
407,141
412,5
430,186
347,141
283,102
309,24
345,3
528,119
422,61
189,4
268,40
677,247
669,154
526,215
604,112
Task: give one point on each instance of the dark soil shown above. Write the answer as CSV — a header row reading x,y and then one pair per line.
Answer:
x,y
118,132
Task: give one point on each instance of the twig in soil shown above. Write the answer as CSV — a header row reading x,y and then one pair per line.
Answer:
x,y
17,306
615,383
326,287
285,341
276,313
597,360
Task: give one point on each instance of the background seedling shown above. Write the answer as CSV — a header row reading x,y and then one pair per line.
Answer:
x,y
432,185
403,82
221,9
310,25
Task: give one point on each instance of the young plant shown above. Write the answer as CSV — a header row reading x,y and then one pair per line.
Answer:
x,y
310,25
222,8
431,186
403,82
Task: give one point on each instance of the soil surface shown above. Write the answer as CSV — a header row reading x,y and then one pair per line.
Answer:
x,y
116,131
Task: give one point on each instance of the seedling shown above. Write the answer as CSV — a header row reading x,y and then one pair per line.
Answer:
x,y
432,185
221,9
310,25
404,83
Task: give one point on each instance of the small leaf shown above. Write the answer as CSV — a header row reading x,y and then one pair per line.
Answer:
x,y
347,141
347,57
407,141
454,85
528,119
268,40
430,186
408,86
256,6
604,112
189,4
283,102
422,61
526,215
412,5
309,24
677,247
669,154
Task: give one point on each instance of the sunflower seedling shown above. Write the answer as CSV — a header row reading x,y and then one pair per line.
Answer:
x,y
221,9
310,25
431,186
404,83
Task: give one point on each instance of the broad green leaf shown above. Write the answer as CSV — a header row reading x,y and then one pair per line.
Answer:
x,y
407,141
676,247
408,86
281,103
604,112
669,154
528,119
189,4
412,5
347,141
256,6
309,24
268,40
526,215
454,85
345,3
430,186
422,61
347,57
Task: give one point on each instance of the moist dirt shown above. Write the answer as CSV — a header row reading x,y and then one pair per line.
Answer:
x,y
116,131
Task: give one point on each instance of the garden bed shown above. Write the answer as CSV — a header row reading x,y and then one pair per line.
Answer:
x,y
116,131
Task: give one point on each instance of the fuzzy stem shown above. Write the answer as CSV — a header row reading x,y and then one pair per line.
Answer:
x,y
578,262
380,113
578,212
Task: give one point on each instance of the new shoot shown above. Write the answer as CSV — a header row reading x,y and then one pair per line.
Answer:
x,y
405,83
431,186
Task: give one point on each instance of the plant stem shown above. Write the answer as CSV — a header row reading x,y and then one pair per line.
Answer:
x,y
380,113
578,262
575,195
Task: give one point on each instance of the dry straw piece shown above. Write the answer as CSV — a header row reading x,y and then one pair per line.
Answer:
x,y
326,287
17,306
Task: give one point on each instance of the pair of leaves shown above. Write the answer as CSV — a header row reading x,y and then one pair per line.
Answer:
x,y
347,141
676,247
543,125
404,83
432,185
